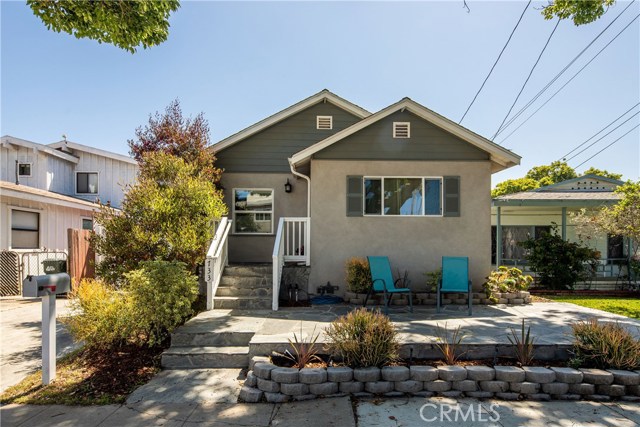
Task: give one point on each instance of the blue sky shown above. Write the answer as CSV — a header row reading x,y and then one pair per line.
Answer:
x,y
239,62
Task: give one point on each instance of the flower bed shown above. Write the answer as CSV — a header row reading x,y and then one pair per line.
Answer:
x,y
277,384
429,298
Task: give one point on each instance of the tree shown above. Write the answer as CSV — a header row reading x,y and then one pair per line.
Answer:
x,y
602,172
581,11
173,134
550,174
125,24
511,186
167,215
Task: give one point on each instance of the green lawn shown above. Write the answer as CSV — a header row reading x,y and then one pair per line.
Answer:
x,y
629,307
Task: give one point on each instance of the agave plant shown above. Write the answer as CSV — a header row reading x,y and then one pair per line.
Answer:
x,y
450,347
524,345
303,351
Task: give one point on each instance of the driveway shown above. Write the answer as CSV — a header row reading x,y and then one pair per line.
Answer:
x,y
20,337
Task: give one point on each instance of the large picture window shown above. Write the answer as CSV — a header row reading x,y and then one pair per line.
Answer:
x,y
390,196
87,182
25,229
252,211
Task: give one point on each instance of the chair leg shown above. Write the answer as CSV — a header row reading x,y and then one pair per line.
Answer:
x,y
469,303
387,302
366,298
438,301
410,303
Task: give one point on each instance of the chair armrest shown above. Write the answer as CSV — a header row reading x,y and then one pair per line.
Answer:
x,y
399,279
384,284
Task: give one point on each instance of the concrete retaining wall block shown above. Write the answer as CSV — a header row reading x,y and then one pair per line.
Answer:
x,y
480,373
339,374
268,385
312,375
351,387
423,373
324,388
538,374
625,377
452,373
596,376
525,387
437,385
395,373
510,374
297,389
285,375
379,387
555,388
263,370
366,375
409,386
568,375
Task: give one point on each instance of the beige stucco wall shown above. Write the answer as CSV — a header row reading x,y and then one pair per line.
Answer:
x,y
259,248
416,244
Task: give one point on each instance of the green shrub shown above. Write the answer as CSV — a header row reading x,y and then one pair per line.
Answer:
x,y
358,275
101,316
162,293
604,346
433,279
506,279
363,338
559,263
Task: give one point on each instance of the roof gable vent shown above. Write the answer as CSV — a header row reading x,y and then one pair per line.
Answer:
x,y
401,129
324,122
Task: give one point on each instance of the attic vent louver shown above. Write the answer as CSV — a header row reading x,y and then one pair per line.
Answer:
x,y
401,129
324,122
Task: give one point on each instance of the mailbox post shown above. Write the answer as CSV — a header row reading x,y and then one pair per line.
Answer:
x,y
47,287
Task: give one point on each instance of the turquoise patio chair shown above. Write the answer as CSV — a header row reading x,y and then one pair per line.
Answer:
x,y
382,282
455,278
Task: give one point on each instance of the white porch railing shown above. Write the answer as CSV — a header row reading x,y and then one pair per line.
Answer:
x,y
291,245
217,258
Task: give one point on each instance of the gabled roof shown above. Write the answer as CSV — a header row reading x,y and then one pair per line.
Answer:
x,y
63,146
555,186
323,95
11,140
501,157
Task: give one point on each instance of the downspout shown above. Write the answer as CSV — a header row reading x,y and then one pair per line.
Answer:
x,y
306,178
17,172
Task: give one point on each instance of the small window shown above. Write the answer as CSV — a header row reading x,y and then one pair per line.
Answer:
x,y
87,224
401,129
253,211
324,122
24,170
25,229
87,183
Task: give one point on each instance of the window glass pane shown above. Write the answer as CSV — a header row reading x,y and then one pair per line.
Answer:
x,y
87,224
24,220
87,183
402,196
93,182
432,196
511,236
372,196
22,239
24,169
252,223
253,200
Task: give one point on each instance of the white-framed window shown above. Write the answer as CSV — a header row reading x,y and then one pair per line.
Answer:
x,y
86,182
87,223
402,196
25,229
402,130
253,210
24,169
324,122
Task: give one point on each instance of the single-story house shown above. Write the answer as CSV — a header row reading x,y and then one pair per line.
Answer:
x,y
325,180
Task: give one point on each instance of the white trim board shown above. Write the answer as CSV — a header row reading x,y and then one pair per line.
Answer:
x,y
323,95
8,140
501,157
92,150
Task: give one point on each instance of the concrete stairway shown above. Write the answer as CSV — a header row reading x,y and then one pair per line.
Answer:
x,y
245,287
207,341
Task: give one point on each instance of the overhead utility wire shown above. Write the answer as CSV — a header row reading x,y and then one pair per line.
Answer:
x,y
601,130
569,81
528,77
603,136
632,129
535,98
495,63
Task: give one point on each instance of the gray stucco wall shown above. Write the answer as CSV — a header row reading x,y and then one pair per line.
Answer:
x,y
427,142
259,248
416,244
267,151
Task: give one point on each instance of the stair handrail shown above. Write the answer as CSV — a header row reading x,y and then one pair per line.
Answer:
x,y
278,263
217,258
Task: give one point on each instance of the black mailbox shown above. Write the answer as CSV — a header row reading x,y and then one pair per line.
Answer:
x,y
49,284
52,266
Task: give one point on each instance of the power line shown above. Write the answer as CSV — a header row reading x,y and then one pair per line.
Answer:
x,y
601,130
600,139
495,63
544,89
632,129
569,81
528,77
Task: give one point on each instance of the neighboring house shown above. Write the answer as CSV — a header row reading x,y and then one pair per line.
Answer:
x,y
515,217
47,189
325,180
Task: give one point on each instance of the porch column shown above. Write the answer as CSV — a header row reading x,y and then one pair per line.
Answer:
x,y
498,239
564,223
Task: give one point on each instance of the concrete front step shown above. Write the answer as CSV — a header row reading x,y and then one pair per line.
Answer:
x,y
185,338
256,270
247,302
236,291
263,281
205,357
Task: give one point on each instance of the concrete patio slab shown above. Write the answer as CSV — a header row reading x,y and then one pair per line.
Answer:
x,y
316,413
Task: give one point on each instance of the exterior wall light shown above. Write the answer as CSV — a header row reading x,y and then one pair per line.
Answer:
x,y
287,187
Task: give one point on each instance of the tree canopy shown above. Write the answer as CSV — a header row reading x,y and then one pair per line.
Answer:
x,y
580,11
174,134
602,172
122,23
